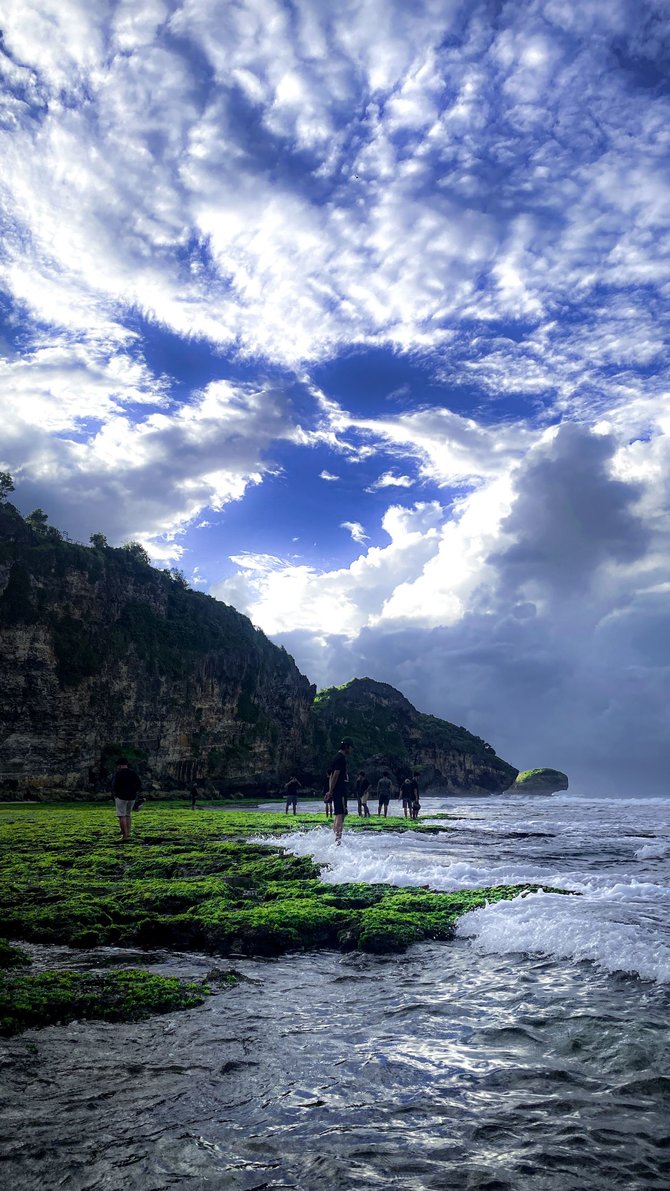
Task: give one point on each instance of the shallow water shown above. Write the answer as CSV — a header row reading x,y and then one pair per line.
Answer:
x,y
490,1062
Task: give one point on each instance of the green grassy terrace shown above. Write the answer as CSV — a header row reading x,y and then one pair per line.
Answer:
x,y
189,880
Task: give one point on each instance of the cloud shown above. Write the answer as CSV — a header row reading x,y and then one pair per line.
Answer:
x,y
281,596
390,480
535,613
570,517
327,475
149,478
289,186
356,530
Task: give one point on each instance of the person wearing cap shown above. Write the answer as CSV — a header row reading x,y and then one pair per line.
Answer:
x,y
338,786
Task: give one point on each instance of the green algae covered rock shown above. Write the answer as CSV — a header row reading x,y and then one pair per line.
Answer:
x,y
186,882
51,998
540,781
12,957
197,882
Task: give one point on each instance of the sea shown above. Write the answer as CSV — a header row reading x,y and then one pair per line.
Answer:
x,y
530,1053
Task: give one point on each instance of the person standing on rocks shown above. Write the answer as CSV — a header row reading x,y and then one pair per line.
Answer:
x,y
415,805
291,791
338,786
406,795
384,787
362,792
126,785
194,795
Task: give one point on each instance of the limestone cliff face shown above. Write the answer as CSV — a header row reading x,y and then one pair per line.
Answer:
x,y
99,651
388,732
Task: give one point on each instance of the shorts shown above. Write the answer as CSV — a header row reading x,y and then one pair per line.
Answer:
x,y
292,800
384,799
339,805
124,807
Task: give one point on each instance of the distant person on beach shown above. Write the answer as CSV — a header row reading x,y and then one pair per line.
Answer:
x,y
362,792
406,795
415,805
384,787
291,791
338,786
126,785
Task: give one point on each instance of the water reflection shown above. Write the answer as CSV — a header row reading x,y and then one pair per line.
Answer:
x,y
437,1069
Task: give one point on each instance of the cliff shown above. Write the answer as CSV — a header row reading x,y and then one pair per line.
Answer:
x,y
102,654
388,732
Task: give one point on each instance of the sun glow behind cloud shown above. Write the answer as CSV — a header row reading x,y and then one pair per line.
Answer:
x,y
286,186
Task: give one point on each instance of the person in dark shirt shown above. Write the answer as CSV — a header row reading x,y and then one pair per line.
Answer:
x,y
338,786
406,795
362,784
291,791
194,795
384,787
415,805
126,785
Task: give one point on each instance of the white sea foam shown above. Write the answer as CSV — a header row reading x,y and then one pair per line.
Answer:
x,y
589,847
649,851
568,928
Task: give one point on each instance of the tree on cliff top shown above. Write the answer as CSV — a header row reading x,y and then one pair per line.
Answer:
x,y
6,485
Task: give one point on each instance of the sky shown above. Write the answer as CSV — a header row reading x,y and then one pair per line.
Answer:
x,y
357,314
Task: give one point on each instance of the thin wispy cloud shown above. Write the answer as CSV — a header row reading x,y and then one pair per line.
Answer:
x,y
356,530
390,480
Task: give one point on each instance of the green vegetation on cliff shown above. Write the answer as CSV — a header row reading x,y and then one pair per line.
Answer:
x,y
167,632
101,647
388,731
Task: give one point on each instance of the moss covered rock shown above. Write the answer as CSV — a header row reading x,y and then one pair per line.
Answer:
x,y
541,781
195,882
57,997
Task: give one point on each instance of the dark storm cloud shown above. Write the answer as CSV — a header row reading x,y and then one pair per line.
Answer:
x,y
570,516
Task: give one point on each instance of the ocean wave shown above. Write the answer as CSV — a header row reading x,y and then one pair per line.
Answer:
x,y
567,928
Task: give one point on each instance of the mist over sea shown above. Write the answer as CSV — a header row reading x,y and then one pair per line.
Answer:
x,y
531,1053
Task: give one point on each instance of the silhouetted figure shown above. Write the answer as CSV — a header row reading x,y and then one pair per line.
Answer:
x,y
406,795
362,794
338,786
194,794
384,787
126,785
291,790
415,805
